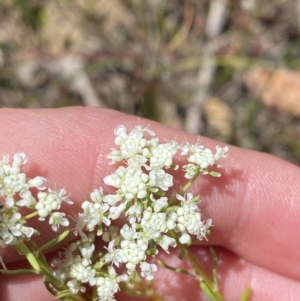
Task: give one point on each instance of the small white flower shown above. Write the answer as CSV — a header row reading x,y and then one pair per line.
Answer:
x,y
131,145
160,203
165,242
134,184
159,178
13,230
11,185
140,130
17,228
184,238
222,152
188,200
27,231
115,211
15,168
189,220
37,182
58,219
19,159
203,228
97,195
120,132
131,150
7,239
75,286
115,179
94,214
202,157
171,220
128,233
80,225
130,181
108,286
26,200
190,170
184,149
147,269
153,223
106,289
50,201
112,234
111,199
162,155
114,255
87,250
81,270
134,213
133,252
115,156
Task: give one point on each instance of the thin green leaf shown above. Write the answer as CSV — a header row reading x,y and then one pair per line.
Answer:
x,y
208,292
181,254
246,295
19,272
50,287
64,294
214,270
48,275
23,249
215,174
53,242
177,270
151,252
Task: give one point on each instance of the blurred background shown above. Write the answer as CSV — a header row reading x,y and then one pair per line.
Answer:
x,y
219,68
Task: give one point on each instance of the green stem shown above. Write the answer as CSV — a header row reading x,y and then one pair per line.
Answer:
x,y
23,249
31,215
201,274
189,183
156,297
139,289
40,268
73,298
206,284
186,187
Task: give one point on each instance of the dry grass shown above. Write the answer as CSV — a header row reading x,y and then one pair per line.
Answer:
x,y
184,63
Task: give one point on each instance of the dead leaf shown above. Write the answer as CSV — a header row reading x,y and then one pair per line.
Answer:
x,y
219,115
278,88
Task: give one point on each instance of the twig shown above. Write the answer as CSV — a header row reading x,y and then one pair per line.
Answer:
x,y
214,25
70,67
184,29
298,8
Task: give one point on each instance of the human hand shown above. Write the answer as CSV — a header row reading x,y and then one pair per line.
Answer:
x,y
254,205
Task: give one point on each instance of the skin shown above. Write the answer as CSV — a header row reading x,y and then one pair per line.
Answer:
x,y
255,205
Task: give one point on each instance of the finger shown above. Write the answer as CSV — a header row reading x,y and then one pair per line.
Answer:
x,y
66,146
235,274
28,286
253,205
255,208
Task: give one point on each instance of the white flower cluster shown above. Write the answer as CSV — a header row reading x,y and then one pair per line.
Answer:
x,y
154,217
75,266
16,192
200,158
